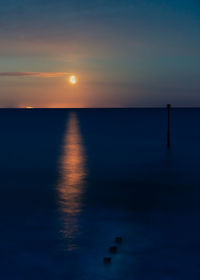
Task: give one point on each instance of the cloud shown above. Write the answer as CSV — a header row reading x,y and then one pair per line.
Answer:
x,y
34,74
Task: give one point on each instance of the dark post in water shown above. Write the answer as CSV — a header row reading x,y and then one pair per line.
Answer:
x,y
168,133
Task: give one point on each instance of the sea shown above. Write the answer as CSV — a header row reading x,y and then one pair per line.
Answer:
x,y
72,180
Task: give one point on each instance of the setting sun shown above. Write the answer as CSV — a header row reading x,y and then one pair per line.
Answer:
x,y
73,80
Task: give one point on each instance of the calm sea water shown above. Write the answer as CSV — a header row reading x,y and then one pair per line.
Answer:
x,y
73,180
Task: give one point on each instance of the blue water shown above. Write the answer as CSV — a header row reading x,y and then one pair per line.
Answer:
x,y
73,180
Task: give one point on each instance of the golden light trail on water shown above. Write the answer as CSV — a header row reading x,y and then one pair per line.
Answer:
x,y
71,184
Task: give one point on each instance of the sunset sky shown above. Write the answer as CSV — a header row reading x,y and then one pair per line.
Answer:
x,y
124,53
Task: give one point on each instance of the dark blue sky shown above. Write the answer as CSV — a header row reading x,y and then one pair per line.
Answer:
x,y
125,53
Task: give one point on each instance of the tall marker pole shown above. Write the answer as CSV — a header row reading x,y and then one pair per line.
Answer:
x,y
168,133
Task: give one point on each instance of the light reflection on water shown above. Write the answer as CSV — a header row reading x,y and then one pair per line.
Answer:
x,y
71,183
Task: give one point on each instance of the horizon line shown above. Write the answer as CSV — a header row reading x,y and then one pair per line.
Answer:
x,y
76,108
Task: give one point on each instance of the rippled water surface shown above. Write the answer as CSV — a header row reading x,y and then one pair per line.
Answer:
x,y
73,180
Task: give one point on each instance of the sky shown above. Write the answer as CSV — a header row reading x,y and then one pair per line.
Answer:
x,y
125,53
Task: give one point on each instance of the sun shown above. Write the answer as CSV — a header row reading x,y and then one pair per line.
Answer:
x,y
72,80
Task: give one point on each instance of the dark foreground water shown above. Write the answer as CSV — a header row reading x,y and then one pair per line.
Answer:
x,y
73,180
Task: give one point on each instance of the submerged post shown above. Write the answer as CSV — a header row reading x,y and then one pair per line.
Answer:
x,y
168,133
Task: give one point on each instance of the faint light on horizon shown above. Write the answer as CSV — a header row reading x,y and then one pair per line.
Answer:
x,y
29,107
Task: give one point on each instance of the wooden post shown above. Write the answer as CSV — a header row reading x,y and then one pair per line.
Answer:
x,y
168,133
